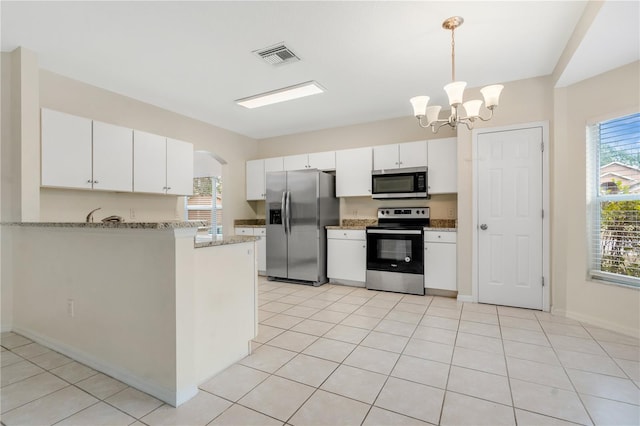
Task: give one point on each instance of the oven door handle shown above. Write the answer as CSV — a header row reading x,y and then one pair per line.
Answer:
x,y
394,231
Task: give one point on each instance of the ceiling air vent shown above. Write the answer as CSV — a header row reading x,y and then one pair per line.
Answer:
x,y
277,54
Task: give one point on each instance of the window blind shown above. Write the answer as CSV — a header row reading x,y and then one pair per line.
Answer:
x,y
613,189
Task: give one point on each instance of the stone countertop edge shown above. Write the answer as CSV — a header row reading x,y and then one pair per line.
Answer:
x,y
436,229
113,225
236,239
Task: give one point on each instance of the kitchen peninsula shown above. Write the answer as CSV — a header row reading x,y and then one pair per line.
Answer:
x,y
142,302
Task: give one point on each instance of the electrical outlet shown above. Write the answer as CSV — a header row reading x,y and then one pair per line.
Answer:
x,y
71,309
451,214
132,213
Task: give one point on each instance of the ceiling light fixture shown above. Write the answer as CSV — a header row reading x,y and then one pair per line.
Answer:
x,y
281,95
454,91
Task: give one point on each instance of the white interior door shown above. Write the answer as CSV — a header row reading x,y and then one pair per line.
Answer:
x,y
510,227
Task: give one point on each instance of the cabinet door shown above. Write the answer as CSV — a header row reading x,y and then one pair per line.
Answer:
x,y
66,150
440,266
296,162
347,260
149,162
443,166
112,157
385,157
353,172
243,231
179,167
255,180
322,160
262,248
273,164
413,154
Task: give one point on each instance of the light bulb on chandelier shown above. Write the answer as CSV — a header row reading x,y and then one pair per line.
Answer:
x,y
455,91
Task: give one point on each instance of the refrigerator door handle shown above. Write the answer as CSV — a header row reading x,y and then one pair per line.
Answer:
x,y
288,212
284,211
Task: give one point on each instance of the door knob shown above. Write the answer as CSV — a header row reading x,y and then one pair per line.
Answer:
x,y
484,226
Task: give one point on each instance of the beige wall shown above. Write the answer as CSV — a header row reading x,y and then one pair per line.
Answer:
x,y
64,94
608,95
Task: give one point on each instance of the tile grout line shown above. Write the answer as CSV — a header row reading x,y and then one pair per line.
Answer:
x,y
564,368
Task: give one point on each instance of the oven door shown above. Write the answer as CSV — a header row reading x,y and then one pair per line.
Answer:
x,y
395,250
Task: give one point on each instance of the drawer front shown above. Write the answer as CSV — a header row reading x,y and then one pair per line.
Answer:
x,y
260,232
439,237
346,234
244,231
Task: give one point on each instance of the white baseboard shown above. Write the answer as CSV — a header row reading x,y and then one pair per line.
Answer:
x,y
172,397
6,328
597,322
465,298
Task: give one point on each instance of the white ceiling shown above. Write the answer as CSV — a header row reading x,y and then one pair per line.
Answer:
x,y
195,58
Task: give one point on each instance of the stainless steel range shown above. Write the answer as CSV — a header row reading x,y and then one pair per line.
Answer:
x,y
395,250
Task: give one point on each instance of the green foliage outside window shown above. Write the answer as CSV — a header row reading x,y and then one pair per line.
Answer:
x,y
620,235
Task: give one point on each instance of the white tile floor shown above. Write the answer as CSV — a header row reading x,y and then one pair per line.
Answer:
x,y
335,355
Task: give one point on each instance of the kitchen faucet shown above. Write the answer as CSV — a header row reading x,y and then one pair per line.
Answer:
x,y
90,215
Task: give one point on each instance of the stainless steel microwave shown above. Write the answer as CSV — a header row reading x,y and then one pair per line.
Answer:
x,y
399,183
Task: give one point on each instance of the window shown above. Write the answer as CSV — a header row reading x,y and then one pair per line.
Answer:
x,y
200,205
614,199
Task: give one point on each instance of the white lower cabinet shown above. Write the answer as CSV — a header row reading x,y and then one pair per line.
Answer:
x,y
346,255
261,244
440,260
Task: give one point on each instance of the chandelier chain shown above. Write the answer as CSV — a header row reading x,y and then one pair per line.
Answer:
x,y
453,55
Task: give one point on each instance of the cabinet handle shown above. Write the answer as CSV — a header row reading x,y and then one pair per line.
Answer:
x,y
95,181
89,181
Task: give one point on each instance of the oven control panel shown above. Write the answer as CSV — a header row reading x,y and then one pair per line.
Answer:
x,y
403,213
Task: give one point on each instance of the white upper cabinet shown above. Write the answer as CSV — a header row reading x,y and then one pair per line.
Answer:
x,y
296,162
66,150
256,171
394,156
149,162
353,172
179,167
443,166
255,179
275,164
322,160
87,154
316,160
112,157
386,157
162,165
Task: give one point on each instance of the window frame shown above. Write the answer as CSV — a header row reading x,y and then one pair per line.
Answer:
x,y
594,202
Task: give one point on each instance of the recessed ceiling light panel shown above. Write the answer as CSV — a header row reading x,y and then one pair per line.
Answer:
x,y
281,95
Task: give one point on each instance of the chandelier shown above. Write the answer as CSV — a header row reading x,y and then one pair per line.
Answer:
x,y
454,91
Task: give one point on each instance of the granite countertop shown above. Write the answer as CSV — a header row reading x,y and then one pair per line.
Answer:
x,y
437,229
356,224
234,239
249,223
115,225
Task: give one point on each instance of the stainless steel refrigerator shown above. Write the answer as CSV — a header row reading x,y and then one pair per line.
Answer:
x,y
299,205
